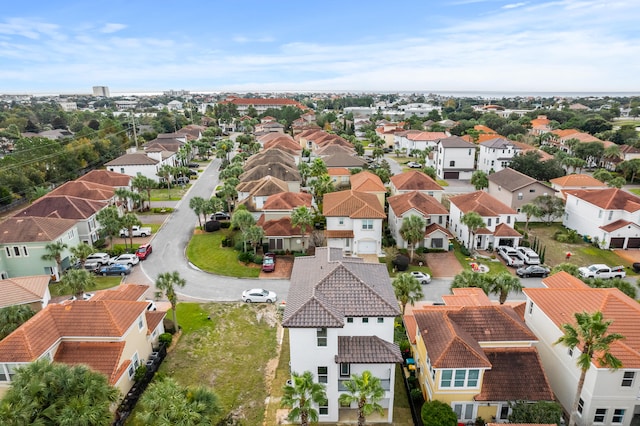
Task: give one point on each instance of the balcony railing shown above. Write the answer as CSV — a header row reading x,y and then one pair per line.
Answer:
x,y
386,384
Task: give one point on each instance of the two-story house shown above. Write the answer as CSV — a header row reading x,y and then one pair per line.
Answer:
x,y
284,172
135,164
476,356
340,315
496,154
575,181
113,336
608,397
498,221
414,139
365,181
414,180
354,221
612,216
280,234
253,194
515,189
455,158
32,291
428,208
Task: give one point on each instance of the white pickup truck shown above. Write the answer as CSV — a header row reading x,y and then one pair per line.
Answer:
x,y
602,271
510,256
136,231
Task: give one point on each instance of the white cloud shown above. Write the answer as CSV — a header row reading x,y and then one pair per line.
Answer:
x,y
514,5
112,28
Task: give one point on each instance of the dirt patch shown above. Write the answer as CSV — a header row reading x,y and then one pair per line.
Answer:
x,y
630,255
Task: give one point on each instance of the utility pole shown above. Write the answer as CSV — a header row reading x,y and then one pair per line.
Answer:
x,y
135,136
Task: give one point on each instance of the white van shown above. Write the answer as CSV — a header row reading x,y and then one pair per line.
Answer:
x,y
528,256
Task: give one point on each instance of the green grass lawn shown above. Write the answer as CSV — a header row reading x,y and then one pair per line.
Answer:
x,y
102,283
635,191
442,182
163,194
494,267
205,251
228,353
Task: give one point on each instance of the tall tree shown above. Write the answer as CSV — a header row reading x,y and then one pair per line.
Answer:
x,y
142,183
365,390
479,180
468,278
81,252
77,281
407,289
301,395
412,231
319,187
242,219
303,218
110,222
167,282
502,284
124,195
128,221
254,235
529,210
473,221
166,403
13,317
550,207
54,252
45,393
197,204
590,335
166,172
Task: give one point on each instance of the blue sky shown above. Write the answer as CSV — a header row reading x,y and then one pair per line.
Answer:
x,y
52,46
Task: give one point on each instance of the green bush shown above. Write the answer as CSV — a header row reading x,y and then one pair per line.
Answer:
x,y
525,243
165,338
257,260
117,250
141,371
225,224
416,396
246,257
162,210
465,251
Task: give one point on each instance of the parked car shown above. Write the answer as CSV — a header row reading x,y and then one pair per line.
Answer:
x,y
636,267
136,231
510,256
220,216
532,271
181,180
95,260
125,259
144,251
387,150
528,256
602,271
269,262
85,296
193,165
115,269
258,295
414,165
422,277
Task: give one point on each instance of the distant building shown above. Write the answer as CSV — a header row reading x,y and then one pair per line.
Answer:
x,y
101,91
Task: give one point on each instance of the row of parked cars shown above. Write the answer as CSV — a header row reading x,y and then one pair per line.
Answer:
x,y
103,264
525,259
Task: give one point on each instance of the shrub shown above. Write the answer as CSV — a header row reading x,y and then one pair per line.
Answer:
x,y
438,413
525,243
162,210
412,381
401,262
239,246
416,396
257,260
225,225
246,257
141,371
465,251
165,338
212,226
117,250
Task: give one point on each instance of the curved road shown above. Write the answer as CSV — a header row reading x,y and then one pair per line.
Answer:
x,y
170,244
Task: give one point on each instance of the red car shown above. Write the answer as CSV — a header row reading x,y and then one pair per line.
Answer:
x,y
143,251
269,262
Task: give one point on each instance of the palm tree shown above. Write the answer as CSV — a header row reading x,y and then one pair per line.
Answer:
x,y
479,180
47,393
128,221
412,231
54,252
407,289
320,186
81,252
165,402
530,210
124,195
473,221
13,317
242,219
301,395
167,282
77,281
303,218
305,172
143,183
591,337
197,204
365,390
502,284
254,235
468,278
110,222
165,172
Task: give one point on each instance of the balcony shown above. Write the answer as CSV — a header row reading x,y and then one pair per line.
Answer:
x,y
386,384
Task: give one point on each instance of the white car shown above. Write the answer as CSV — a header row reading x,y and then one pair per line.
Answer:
x,y
125,259
258,295
96,259
414,165
422,277
85,296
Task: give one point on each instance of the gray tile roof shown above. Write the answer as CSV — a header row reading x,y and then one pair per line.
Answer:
x,y
327,287
366,350
511,180
455,142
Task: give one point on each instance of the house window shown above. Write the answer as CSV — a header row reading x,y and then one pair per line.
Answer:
x,y
618,415
610,214
580,405
440,220
460,378
16,251
445,378
323,408
472,380
341,221
504,412
437,243
452,163
345,369
497,220
25,252
508,219
627,379
4,377
321,335
531,308
463,411
367,223
365,320
601,414
380,320
489,222
8,250
532,190
140,323
347,242
122,170
520,196
323,375
349,320
600,214
276,244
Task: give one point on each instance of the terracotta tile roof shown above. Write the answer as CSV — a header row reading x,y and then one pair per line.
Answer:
x,y
103,357
338,234
415,181
326,288
426,136
564,280
353,204
34,229
135,159
516,374
483,231
277,170
154,318
343,160
367,350
455,142
411,326
425,204
78,319
84,189
560,303
23,290
281,228
541,120
338,171
484,129
366,181
287,201
106,177
544,156
561,133
430,229
577,180
511,180
608,199
481,203
620,223
504,230
470,296
132,292
270,155
63,207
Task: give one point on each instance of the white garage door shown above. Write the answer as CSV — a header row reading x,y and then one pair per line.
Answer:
x,y
366,247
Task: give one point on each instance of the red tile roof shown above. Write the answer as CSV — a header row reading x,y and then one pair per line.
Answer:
x,y
63,207
414,180
425,204
620,223
430,229
338,234
85,189
34,229
577,180
366,181
132,292
481,203
353,204
281,228
103,357
608,199
287,201
23,290
504,230
106,177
